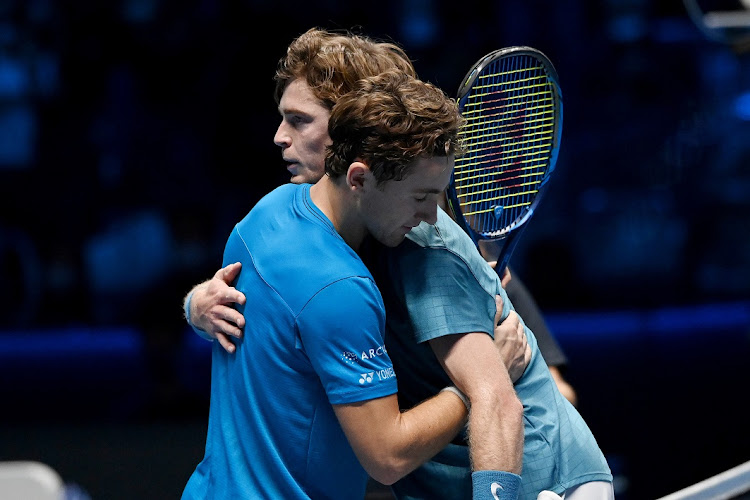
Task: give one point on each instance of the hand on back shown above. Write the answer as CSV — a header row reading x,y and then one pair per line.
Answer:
x,y
211,307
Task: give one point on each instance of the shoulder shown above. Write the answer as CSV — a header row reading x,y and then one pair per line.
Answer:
x,y
349,291
445,245
282,194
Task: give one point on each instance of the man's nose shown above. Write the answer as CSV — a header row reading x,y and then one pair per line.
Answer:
x,y
281,137
429,214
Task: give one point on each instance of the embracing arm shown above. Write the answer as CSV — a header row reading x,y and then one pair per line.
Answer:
x,y
208,307
395,443
496,417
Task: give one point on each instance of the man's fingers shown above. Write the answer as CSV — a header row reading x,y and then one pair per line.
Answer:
x,y
225,294
514,320
505,277
498,308
229,321
522,334
232,295
230,316
229,272
220,273
226,343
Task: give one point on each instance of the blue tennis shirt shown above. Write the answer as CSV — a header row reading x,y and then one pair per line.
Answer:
x,y
314,337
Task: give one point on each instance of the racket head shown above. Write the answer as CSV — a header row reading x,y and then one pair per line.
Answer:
x,y
512,105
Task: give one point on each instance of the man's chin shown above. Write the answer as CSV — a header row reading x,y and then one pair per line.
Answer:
x,y
301,179
393,241
297,179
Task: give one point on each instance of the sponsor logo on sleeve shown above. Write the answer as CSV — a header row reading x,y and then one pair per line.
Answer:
x,y
350,358
373,353
384,374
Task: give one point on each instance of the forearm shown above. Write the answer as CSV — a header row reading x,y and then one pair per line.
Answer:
x,y
496,430
427,428
496,416
399,442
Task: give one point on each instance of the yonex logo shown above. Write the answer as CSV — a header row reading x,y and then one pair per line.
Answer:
x,y
366,378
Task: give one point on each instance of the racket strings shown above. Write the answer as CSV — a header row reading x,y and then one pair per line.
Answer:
x,y
505,176
506,157
469,113
508,135
482,189
490,127
503,104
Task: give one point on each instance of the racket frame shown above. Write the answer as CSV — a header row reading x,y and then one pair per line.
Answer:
x,y
503,242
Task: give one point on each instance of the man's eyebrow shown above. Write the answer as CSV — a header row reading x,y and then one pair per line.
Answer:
x,y
291,110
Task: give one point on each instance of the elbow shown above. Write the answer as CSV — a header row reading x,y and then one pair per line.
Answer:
x,y
388,470
502,400
510,402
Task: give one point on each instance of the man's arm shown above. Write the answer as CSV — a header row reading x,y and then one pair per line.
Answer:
x,y
496,417
208,307
389,443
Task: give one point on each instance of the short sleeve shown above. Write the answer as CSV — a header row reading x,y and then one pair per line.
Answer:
x,y
442,294
342,332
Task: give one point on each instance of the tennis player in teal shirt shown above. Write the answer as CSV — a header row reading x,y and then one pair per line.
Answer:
x,y
436,284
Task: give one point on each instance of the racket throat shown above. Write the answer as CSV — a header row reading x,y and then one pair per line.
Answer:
x,y
500,250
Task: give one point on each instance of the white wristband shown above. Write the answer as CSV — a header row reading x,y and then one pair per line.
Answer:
x,y
454,390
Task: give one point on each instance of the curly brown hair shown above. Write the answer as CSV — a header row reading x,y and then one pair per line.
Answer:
x,y
332,62
388,122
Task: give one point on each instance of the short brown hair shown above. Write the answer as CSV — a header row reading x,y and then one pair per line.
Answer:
x,y
388,122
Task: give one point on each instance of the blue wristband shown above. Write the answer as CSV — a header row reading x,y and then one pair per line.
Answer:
x,y
495,485
186,308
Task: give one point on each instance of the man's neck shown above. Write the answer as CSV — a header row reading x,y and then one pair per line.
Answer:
x,y
336,201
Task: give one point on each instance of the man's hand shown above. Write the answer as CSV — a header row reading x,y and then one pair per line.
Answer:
x,y
505,277
510,340
211,307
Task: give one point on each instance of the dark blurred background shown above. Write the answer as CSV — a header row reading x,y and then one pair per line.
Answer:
x,y
135,133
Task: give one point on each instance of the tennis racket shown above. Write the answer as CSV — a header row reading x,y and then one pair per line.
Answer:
x,y
512,106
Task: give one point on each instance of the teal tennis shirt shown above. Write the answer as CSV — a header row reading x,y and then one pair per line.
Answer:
x,y
436,283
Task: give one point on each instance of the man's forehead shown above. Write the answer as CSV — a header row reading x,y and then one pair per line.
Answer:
x,y
429,176
300,99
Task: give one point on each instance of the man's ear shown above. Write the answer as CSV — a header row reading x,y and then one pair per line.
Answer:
x,y
356,175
